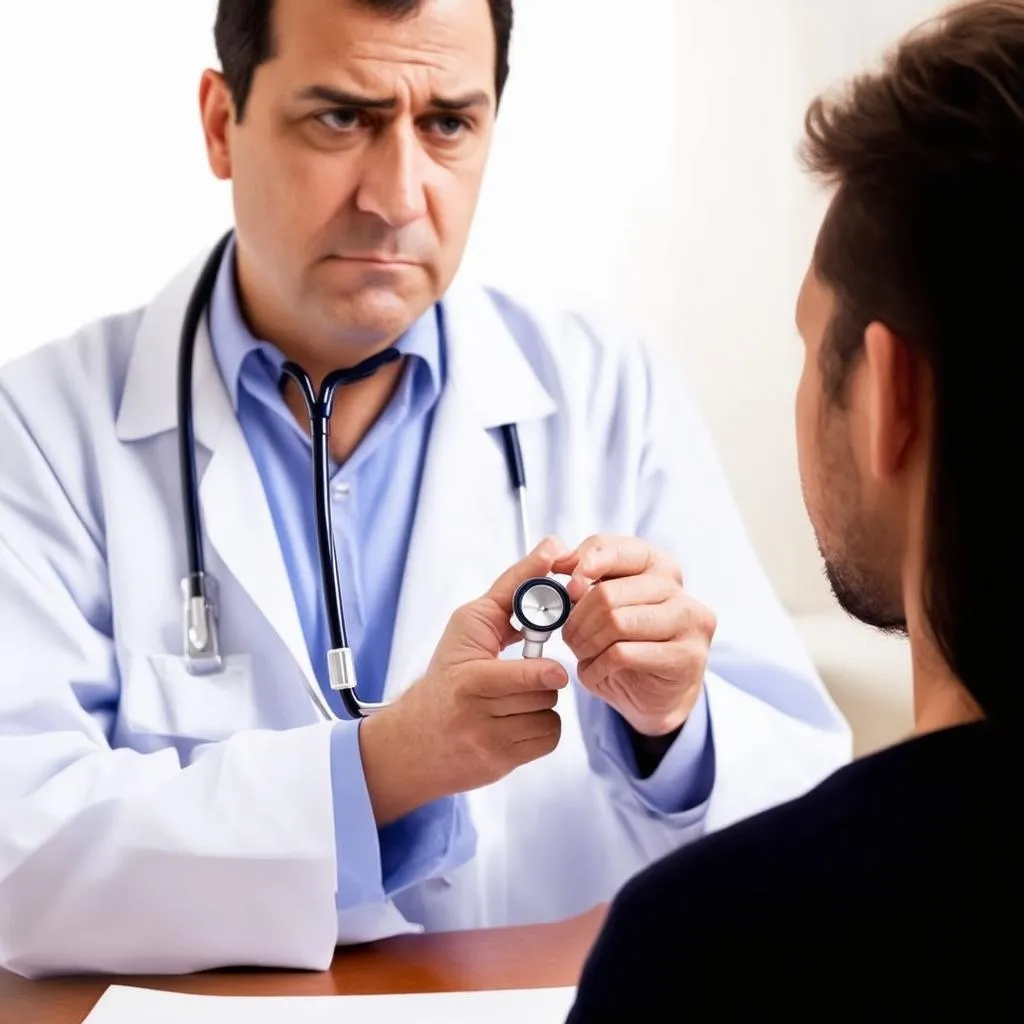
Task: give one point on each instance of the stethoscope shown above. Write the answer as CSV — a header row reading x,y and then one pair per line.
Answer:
x,y
541,604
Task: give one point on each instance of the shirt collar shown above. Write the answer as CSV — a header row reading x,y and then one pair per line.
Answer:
x,y
235,346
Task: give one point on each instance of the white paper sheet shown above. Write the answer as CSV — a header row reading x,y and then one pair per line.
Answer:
x,y
122,1004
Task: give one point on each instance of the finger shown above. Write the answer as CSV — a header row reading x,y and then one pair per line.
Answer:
x,y
600,603
504,677
604,557
524,730
601,553
537,563
657,623
681,661
544,743
521,703
492,612
565,563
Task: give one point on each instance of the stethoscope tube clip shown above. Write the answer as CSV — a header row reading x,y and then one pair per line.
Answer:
x,y
341,673
341,669
201,640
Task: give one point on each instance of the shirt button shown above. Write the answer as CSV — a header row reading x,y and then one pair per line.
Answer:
x,y
342,489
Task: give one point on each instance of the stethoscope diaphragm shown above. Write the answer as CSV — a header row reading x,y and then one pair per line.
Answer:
x,y
540,606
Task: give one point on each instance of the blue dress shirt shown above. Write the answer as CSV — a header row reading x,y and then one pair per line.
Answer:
x,y
374,498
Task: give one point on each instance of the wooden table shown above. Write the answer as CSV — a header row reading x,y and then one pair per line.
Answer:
x,y
538,956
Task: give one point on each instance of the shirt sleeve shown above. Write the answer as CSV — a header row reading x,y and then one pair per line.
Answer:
x,y
374,864
682,783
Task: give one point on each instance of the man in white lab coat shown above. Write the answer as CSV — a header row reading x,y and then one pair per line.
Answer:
x,y
154,819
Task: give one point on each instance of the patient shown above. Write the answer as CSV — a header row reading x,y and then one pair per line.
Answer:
x,y
893,890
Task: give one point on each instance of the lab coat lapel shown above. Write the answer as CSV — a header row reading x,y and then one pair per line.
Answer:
x,y
466,530
240,529
237,517
237,522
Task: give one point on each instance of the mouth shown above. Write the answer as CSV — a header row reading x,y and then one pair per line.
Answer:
x,y
377,260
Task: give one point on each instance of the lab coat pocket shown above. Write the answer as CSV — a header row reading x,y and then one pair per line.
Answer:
x,y
162,698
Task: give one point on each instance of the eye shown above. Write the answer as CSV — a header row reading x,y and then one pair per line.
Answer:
x,y
449,126
340,120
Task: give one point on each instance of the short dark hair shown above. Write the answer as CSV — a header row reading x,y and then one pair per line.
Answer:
x,y
244,39
925,233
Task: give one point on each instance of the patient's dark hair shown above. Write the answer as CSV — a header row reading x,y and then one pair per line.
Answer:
x,y
925,233
244,38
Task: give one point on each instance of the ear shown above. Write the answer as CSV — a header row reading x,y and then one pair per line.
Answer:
x,y
892,394
217,111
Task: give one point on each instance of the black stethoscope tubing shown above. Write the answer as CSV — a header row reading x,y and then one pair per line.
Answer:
x,y
319,408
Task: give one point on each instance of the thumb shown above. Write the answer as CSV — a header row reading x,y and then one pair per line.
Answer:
x,y
537,563
483,628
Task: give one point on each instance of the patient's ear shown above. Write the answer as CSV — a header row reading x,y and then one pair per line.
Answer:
x,y
892,400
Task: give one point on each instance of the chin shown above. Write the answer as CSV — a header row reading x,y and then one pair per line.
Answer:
x,y
866,599
374,316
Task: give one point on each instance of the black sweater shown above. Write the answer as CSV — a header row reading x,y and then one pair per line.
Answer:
x,y
890,891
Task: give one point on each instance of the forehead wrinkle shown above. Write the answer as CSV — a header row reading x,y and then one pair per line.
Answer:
x,y
404,80
436,58
400,63
407,48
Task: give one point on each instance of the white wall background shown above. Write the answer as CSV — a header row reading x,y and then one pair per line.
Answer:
x,y
645,163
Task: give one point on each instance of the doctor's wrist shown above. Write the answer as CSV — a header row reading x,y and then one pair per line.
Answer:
x,y
396,785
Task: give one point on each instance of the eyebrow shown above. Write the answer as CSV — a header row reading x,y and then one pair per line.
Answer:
x,y
344,98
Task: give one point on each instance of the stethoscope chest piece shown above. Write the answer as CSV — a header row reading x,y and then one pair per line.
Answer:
x,y
540,606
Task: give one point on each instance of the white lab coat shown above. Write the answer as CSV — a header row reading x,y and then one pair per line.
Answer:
x,y
188,824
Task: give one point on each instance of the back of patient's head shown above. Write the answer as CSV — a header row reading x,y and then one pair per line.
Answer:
x,y
925,233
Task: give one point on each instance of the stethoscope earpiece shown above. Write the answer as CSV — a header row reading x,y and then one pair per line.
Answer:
x,y
540,606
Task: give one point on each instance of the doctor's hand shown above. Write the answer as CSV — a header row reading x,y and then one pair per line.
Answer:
x,y
474,717
641,640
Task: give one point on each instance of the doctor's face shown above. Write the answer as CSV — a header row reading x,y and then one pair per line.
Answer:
x,y
851,522
356,167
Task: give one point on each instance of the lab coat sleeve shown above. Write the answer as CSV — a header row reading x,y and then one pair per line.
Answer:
x,y
259,849
374,865
680,787
119,861
772,730
122,860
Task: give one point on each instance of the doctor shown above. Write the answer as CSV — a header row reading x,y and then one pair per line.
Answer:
x,y
153,819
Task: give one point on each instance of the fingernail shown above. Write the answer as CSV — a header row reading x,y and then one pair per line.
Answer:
x,y
555,676
549,547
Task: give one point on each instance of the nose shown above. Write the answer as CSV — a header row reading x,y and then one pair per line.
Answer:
x,y
393,186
